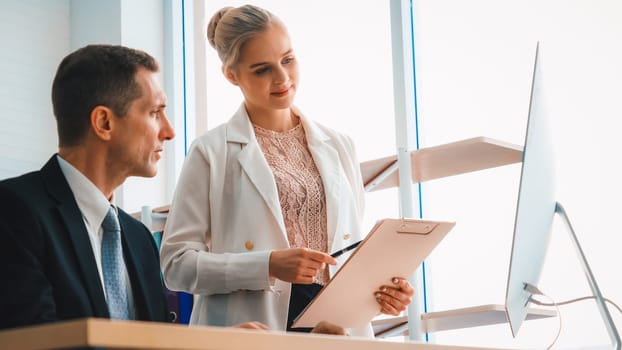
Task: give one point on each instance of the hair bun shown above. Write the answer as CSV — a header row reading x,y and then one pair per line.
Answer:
x,y
213,23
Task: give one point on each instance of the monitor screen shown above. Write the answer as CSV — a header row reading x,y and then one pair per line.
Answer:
x,y
536,204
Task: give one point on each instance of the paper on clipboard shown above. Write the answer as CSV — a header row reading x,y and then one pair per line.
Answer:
x,y
394,247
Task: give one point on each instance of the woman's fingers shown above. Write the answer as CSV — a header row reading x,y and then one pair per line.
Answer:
x,y
324,327
298,265
252,325
394,299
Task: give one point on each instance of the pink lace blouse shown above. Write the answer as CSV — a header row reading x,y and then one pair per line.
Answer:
x,y
301,192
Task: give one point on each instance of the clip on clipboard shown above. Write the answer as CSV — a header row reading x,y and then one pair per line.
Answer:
x,y
393,248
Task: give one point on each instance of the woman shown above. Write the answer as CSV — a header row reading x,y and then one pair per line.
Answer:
x,y
263,199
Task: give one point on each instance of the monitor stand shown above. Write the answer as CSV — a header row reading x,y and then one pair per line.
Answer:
x,y
600,300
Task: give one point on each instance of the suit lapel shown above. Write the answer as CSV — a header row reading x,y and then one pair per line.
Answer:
x,y
254,164
327,162
136,259
68,208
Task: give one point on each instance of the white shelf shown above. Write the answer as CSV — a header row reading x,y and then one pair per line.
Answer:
x,y
450,159
475,316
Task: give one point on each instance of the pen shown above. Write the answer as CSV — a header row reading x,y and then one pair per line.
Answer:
x,y
346,249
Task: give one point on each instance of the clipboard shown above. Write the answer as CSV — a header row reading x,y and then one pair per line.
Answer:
x,y
393,248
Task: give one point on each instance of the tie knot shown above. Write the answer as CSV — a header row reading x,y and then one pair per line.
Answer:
x,y
111,221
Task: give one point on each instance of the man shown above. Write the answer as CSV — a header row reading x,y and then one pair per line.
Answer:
x,y
57,258
54,256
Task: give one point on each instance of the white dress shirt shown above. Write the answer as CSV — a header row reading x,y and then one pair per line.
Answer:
x,y
94,206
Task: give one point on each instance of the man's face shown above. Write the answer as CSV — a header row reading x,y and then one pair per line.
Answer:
x,y
139,136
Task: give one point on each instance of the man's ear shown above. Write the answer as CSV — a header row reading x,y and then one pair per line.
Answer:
x,y
102,122
230,75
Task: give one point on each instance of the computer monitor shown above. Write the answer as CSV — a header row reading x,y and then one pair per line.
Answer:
x,y
536,205
535,210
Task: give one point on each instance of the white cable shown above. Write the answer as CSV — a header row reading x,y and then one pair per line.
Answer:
x,y
614,305
537,302
535,291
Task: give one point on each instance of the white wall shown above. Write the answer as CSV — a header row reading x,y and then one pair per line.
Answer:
x,y
95,22
35,37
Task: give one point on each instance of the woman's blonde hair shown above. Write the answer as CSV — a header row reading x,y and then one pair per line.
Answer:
x,y
232,27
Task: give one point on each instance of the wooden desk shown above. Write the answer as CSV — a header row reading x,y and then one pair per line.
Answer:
x,y
136,335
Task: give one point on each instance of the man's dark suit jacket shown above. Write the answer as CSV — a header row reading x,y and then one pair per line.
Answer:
x,y
47,267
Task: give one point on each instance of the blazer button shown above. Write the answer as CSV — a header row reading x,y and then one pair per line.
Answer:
x,y
249,245
347,236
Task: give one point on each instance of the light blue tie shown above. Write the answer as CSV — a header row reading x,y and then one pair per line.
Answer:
x,y
114,267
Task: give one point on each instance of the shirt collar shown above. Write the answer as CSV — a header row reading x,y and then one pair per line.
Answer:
x,y
91,201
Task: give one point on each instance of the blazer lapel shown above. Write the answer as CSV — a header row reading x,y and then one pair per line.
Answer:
x,y
136,262
254,164
328,164
74,224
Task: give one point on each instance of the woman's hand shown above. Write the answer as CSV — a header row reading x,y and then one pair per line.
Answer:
x,y
324,327
394,299
253,325
298,265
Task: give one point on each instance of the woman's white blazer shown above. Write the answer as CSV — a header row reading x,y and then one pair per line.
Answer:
x,y
226,218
